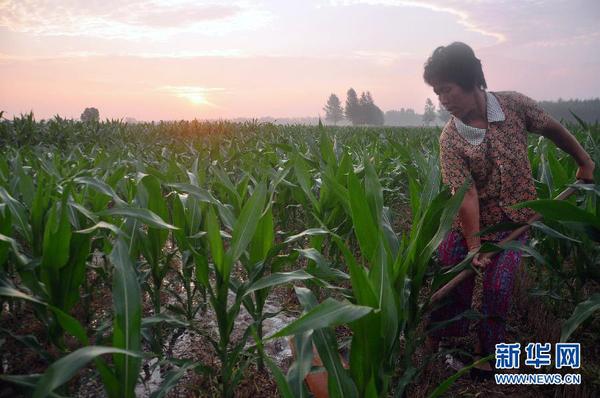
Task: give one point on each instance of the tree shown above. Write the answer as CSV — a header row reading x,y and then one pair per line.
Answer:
x,y
333,109
369,112
403,117
90,115
442,113
352,108
363,105
363,110
429,113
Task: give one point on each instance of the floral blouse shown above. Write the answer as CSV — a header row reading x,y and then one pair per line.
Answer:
x,y
498,165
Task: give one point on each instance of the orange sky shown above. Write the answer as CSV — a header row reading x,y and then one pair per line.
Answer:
x,y
183,59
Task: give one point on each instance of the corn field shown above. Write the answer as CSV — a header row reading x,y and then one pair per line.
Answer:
x,y
117,241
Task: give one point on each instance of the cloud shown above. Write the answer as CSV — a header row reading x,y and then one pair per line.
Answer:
x,y
532,23
585,38
160,17
383,58
463,18
229,53
143,19
63,55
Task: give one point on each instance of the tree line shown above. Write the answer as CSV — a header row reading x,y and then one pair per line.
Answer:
x,y
363,111
587,110
358,111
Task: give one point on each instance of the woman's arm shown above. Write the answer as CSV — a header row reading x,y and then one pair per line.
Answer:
x,y
455,171
468,214
567,142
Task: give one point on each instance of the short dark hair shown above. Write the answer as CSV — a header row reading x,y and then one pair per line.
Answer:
x,y
455,63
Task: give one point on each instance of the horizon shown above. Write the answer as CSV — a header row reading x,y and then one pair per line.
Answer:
x,y
266,118
184,60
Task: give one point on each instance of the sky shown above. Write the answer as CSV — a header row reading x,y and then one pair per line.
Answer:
x,y
204,59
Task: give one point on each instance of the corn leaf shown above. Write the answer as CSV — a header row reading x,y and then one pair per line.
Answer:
x,y
127,302
65,368
582,312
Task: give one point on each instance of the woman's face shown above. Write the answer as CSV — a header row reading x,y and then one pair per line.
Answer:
x,y
454,98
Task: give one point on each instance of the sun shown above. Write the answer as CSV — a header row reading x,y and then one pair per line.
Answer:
x,y
196,98
194,94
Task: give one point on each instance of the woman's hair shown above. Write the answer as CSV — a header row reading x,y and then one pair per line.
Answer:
x,y
455,63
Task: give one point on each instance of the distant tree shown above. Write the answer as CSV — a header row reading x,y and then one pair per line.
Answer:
x,y
369,112
587,110
352,108
403,117
90,114
363,108
333,109
442,113
429,112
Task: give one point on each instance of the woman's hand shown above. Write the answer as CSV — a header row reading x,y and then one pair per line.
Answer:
x,y
480,260
585,171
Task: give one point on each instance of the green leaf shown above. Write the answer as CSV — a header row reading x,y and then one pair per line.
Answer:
x,y
127,302
300,368
70,325
282,384
103,225
179,220
446,384
328,313
582,312
62,370
214,240
245,227
308,232
19,215
144,215
28,381
381,280
57,238
21,258
5,230
164,318
365,226
339,383
199,193
156,237
374,193
263,239
552,232
560,210
14,293
361,285
304,179
224,180
26,187
101,187
278,278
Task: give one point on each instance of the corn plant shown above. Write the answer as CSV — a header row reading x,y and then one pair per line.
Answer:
x,y
119,380
388,283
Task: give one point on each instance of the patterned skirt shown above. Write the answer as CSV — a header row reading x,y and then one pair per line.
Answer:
x,y
498,282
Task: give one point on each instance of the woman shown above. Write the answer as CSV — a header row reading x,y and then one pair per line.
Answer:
x,y
485,142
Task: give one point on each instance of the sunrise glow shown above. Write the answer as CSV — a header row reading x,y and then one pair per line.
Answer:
x,y
183,59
